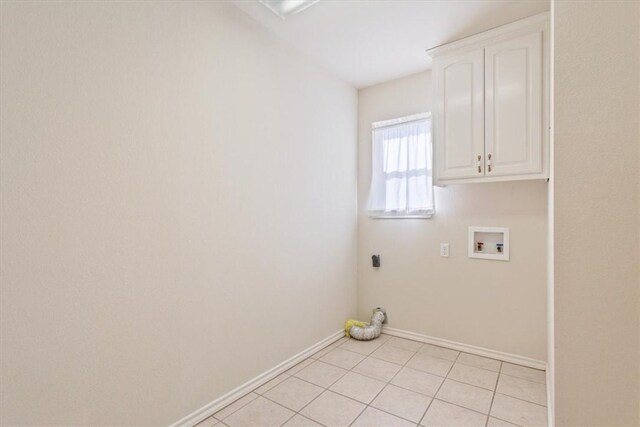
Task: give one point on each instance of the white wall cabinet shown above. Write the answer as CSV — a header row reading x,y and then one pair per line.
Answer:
x,y
491,109
460,103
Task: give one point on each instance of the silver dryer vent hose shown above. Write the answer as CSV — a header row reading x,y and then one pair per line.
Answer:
x,y
369,332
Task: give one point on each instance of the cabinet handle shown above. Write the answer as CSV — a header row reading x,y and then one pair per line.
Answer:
x,y
489,163
478,163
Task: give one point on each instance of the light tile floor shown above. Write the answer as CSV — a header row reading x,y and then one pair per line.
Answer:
x,y
393,382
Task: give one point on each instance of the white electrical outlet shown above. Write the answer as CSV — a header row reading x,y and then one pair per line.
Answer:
x,y
444,250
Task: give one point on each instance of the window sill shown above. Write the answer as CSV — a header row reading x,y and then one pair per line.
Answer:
x,y
400,216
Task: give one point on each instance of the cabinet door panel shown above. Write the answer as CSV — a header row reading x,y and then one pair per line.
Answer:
x,y
459,115
513,83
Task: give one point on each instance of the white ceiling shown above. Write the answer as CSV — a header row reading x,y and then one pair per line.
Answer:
x,y
365,42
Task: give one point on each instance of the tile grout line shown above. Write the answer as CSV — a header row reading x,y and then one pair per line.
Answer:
x,y
271,388
222,419
493,396
399,386
502,394
451,379
284,373
261,395
321,386
438,390
467,408
471,354
386,384
442,358
415,352
510,422
487,389
270,400
338,345
459,406
472,385
342,367
521,400
524,379
405,366
323,392
328,388
279,404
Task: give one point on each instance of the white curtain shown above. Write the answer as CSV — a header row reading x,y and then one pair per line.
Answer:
x,y
401,178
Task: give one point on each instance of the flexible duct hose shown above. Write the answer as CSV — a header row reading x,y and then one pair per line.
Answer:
x,y
369,332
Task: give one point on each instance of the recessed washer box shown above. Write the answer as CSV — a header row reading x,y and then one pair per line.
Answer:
x,y
489,243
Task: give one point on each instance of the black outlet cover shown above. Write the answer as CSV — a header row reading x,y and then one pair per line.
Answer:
x,y
375,260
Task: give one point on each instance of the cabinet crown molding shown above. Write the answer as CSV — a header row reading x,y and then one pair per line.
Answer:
x,y
492,35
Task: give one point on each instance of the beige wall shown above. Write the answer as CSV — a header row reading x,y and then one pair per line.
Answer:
x,y
597,174
178,208
492,304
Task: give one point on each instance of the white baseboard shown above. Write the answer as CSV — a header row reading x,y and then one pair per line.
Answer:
x,y
230,397
480,351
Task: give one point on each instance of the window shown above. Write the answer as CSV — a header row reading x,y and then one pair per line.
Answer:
x,y
401,178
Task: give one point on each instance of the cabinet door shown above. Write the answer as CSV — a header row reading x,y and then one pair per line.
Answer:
x,y
459,115
513,84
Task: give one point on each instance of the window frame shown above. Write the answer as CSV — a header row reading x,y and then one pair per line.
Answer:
x,y
394,122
